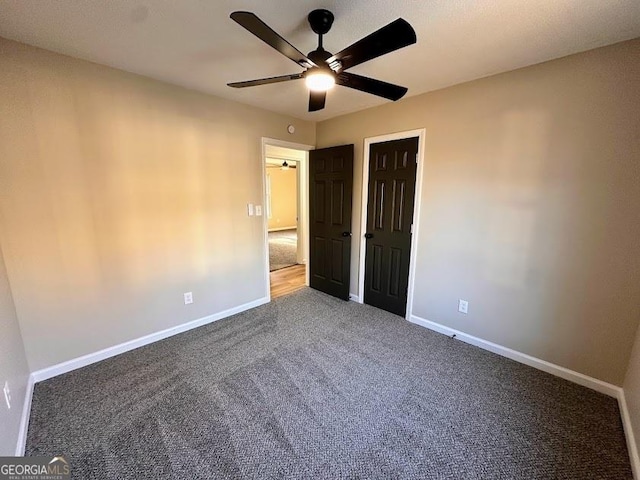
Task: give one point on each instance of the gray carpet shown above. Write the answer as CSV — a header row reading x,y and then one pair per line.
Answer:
x,y
283,247
313,387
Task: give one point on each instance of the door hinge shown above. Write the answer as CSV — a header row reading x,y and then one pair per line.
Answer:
x,y
416,158
411,230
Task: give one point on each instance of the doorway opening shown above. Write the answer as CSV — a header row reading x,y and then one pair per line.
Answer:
x,y
285,219
281,206
391,192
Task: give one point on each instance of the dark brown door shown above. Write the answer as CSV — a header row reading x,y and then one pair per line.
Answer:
x,y
392,185
330,189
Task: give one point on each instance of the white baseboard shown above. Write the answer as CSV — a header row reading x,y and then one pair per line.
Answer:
x,y
24,418
90,358
557,370
354,298
628,433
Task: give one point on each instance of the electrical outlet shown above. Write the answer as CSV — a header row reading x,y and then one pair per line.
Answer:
x,y
188,298
7,394
463,306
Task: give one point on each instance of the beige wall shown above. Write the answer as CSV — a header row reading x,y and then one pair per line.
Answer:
x,y
13,367
117,196
530,206
284,211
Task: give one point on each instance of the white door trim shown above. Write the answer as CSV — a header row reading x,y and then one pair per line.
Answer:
x,y
421,134
304,175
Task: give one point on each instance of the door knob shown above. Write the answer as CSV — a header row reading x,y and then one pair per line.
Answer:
x,y
368,235
346,234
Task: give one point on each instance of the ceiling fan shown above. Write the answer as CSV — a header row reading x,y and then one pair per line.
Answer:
x,y
285,165
322,69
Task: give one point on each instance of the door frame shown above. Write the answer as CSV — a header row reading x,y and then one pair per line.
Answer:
x,y
368,141
303,198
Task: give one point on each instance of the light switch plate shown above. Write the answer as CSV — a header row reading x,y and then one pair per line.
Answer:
x,y
258,210
250,209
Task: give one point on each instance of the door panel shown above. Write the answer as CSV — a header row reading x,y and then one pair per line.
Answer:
x,y
330,192
392,184
319,261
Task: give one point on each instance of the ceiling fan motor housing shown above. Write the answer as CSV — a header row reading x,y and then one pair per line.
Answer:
x,y
319,56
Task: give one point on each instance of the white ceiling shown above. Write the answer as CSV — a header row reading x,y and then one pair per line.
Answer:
x,y
193,43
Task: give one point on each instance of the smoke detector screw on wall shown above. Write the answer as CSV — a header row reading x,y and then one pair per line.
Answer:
x,y
463,306
188,298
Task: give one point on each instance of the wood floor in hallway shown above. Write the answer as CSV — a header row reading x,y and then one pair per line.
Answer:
x,y
287,280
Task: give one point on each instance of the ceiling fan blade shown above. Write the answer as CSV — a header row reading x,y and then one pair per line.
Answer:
x,y
396,35
265,81
316,100
265,33
371,85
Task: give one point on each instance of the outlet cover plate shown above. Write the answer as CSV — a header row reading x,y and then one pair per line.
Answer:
x,y
463,306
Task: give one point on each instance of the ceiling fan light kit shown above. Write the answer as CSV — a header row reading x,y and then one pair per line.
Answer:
x,y
323,70
319,81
